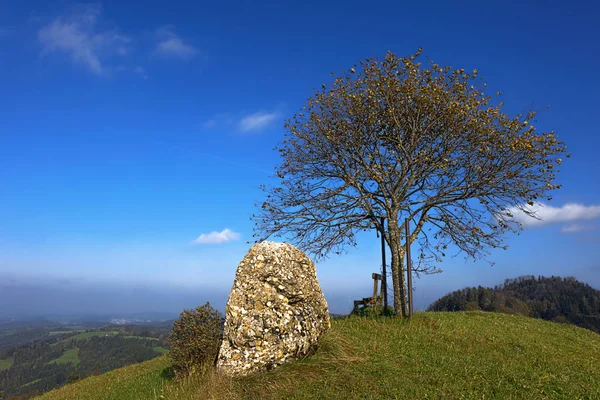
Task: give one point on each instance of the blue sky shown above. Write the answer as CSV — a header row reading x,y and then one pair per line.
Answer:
x,y
130,129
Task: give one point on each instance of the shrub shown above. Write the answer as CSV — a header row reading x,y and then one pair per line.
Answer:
x,y
195,338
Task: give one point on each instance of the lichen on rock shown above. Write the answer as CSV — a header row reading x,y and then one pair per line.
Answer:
x,y
276,310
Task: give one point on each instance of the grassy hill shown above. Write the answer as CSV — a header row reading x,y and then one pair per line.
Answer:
x,y
6,363
69,356
436,355
72,355
557,299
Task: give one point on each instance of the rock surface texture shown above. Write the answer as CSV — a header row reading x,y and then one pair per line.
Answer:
x,y
276,310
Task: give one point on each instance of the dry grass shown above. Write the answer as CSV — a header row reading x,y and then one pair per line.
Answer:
x,y
203,383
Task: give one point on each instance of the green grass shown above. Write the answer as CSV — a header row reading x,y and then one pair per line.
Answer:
x,y
30,383
86,335
140,337
136,382
471,355
69,356
161,350
54,333
8,332
6,363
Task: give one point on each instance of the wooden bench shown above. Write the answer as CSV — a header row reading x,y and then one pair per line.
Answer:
x,y
376,300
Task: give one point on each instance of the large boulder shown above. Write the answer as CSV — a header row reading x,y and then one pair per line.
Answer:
x,y
276,310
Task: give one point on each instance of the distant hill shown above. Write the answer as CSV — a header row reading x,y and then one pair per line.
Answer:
x,y
461,355
556,299
44,356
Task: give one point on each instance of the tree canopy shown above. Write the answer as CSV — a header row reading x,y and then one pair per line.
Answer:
x,y
398,139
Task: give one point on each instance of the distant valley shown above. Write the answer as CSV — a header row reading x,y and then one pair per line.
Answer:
x,y
41,354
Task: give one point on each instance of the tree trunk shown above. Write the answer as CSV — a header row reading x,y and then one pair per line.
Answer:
x,y
402,282
397,266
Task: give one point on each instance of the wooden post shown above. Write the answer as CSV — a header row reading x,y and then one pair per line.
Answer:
x,y
377,297
383,271
409,270
374,286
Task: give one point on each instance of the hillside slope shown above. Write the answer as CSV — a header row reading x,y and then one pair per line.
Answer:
x,y
436,355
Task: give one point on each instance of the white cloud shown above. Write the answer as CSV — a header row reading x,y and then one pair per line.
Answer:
x,y
256,122
76,36
226,235
570,212
122,50
171,45
573,228
211,123
139,70
242,122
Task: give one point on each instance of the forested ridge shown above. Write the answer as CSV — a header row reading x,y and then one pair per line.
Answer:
x,y
556,299
66,357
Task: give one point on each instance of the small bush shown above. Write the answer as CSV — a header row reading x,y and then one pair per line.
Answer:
x,y
195,338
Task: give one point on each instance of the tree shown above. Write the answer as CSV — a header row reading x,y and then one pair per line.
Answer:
x,y
397,139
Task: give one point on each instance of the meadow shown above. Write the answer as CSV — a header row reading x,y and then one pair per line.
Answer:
x,y
435,355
